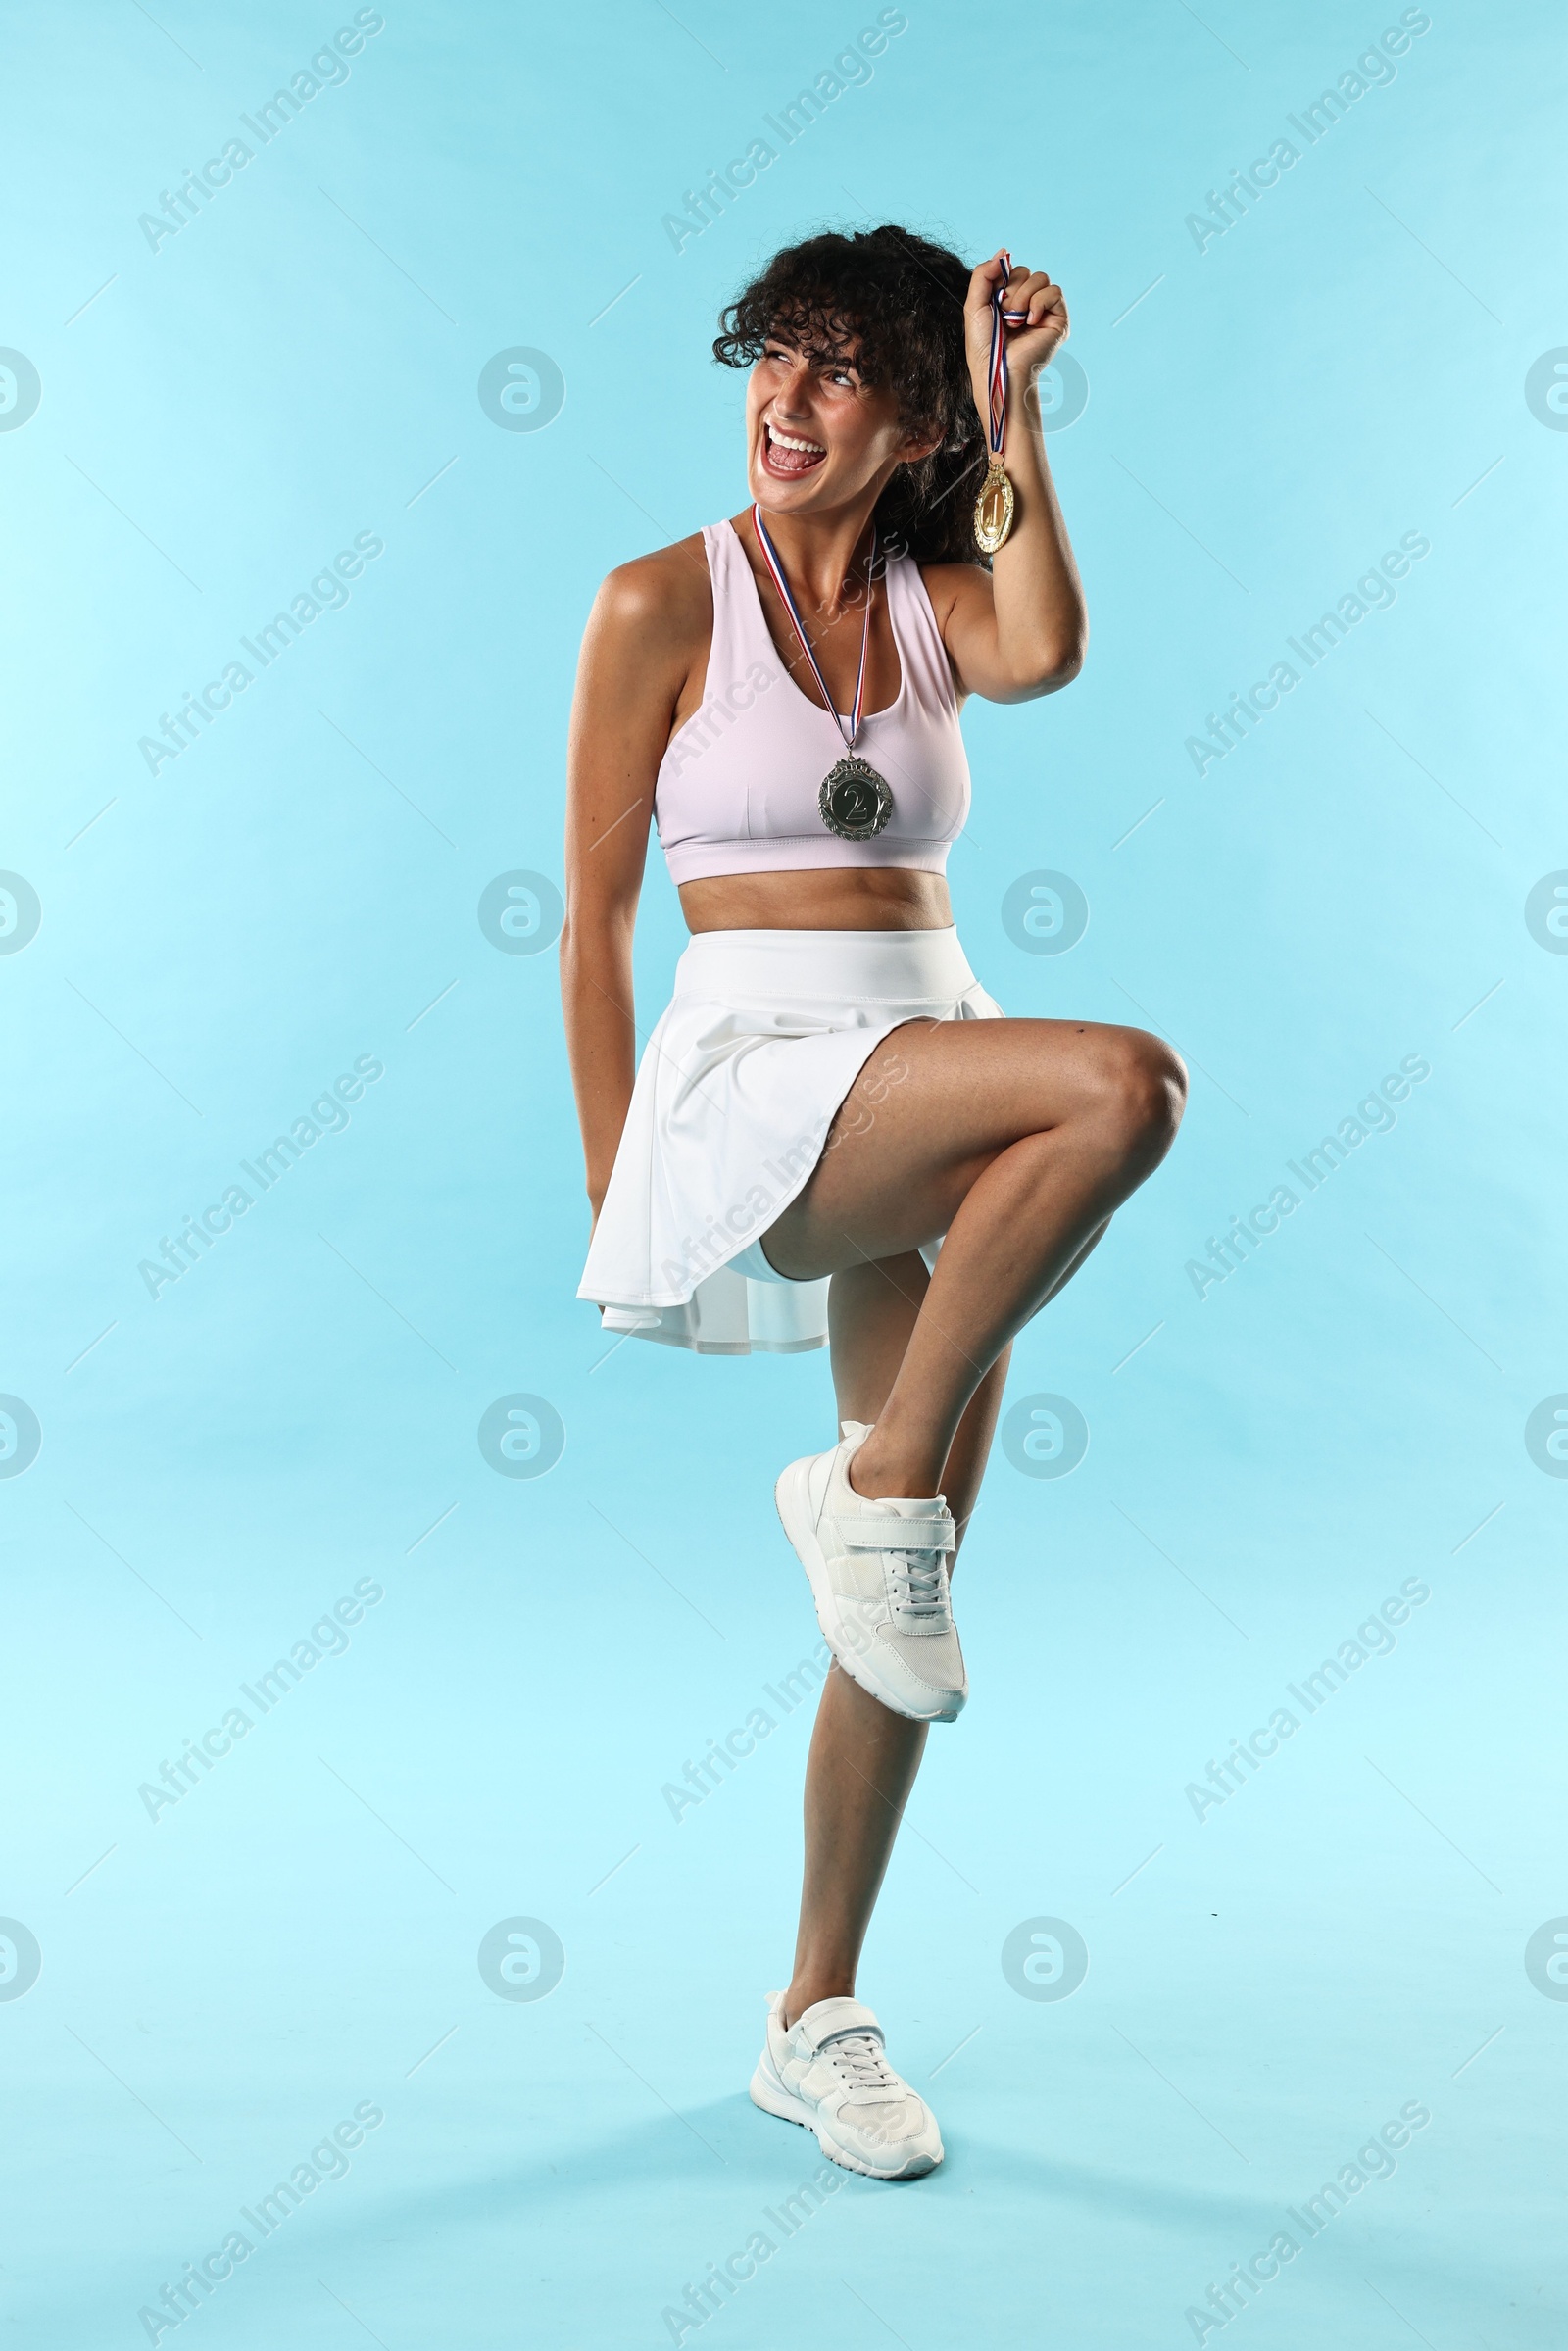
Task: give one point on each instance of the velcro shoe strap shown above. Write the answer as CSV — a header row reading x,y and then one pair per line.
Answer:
x,y
879,1534
824,2023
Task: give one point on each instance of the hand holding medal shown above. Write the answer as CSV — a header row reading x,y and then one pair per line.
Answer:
x,y
1013,316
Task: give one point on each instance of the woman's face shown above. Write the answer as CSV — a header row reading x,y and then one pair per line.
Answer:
x,y
816,437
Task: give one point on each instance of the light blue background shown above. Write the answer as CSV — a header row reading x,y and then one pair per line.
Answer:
x,y
300,887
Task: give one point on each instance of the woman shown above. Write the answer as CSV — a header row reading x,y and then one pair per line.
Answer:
x,y
831,1095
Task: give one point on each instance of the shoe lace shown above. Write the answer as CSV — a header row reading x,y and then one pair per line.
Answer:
x,y
858,2058
920,1583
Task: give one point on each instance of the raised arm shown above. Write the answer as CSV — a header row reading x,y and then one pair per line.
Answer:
x,y
1020,630
636,660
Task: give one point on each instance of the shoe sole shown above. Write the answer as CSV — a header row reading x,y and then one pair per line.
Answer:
x,y
792,1500
773,2098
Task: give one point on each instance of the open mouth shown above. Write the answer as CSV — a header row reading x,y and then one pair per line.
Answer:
x,y
787,455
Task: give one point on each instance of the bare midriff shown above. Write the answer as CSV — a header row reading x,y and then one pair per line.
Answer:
x,y
827,899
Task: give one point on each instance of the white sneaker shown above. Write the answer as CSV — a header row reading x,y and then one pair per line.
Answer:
x,y
828,2074
879,1577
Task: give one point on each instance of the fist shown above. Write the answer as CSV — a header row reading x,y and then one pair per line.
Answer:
x,y
1029,346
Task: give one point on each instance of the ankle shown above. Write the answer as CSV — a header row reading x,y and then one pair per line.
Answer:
x,y
878,1470
806,1992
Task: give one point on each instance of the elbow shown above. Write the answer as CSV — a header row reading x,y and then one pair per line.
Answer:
x,y
596,926
1047,662
1065,652
1051,664
1061,670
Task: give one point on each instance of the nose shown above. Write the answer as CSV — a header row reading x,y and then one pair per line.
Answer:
x,y
789,399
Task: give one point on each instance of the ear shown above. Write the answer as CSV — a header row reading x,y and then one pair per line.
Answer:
x,y
919,445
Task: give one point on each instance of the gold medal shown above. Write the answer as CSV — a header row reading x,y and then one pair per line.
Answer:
x,y
993,509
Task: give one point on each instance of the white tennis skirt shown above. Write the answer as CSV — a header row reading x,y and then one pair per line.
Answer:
x,y
736,1090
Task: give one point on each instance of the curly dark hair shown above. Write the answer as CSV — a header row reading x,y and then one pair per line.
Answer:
x,y
903,297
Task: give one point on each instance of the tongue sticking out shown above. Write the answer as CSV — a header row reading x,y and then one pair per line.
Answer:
x,y
792,460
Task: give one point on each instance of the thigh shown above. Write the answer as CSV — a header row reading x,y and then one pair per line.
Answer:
x,y
930,1110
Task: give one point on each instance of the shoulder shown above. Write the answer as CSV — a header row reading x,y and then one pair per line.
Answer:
x,y
666,593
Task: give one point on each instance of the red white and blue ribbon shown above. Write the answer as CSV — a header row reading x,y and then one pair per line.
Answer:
x,y
776,574
1000,321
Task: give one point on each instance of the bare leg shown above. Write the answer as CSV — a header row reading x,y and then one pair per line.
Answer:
x,y
1102,1112
863,1758
1017,1139
872,1311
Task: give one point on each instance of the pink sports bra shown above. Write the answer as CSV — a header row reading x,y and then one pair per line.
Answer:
x,y
737,788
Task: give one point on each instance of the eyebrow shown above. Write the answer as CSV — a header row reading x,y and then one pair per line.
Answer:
x,y
818,357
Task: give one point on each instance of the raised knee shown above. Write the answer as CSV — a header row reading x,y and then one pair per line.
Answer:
x,y
1145,1088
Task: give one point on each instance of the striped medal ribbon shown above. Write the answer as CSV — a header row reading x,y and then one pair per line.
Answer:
x,y
993,508
855,800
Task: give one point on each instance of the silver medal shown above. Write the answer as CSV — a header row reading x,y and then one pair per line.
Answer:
x,y
854,801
